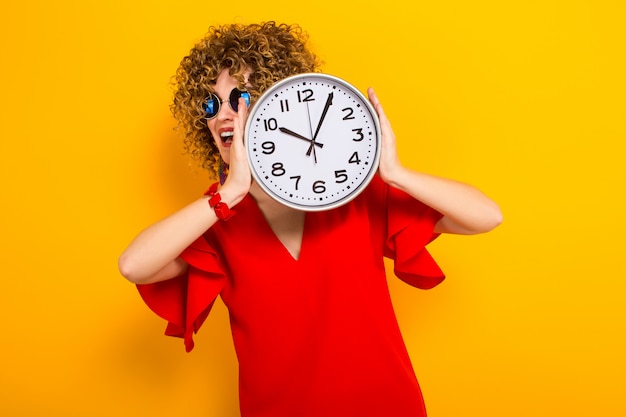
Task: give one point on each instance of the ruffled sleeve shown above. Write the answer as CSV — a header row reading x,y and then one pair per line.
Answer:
x,y
410,227
185,301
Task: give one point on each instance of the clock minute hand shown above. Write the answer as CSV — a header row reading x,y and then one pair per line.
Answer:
x,y
329,102
296,135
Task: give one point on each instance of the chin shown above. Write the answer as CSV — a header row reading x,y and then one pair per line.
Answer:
x,y
225,154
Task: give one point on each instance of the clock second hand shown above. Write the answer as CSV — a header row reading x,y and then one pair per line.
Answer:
x,y
308,153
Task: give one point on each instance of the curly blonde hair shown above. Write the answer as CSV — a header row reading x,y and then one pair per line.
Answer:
x,y
271,51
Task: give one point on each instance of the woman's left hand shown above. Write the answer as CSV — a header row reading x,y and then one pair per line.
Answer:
x,y
389,165
465,209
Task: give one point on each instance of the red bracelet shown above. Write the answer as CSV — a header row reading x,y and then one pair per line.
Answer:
x,y
222,211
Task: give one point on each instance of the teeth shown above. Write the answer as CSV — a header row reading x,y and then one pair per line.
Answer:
x,y
227,134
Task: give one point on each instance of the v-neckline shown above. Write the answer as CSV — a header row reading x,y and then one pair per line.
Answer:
x,y
274,236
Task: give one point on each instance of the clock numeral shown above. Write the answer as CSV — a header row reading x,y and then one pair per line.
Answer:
x,y
284,105
297,178
270,124
354,159
341,176
319,187
360,134
305,95
268,147
278,169
349,113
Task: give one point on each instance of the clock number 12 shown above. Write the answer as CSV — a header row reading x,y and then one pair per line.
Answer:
x,y
305,95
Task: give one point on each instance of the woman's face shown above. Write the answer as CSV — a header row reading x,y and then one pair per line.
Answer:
x,y
221,126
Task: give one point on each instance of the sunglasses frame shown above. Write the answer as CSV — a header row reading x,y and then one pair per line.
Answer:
x,y
233,97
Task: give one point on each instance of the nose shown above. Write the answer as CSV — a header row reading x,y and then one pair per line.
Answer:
x,y
225,112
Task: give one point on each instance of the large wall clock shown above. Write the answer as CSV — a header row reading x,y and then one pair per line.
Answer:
x,y
313,141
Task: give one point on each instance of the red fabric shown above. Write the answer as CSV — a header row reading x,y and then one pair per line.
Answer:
x,y
315,336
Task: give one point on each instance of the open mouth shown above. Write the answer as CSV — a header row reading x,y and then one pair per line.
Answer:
x,y
227,137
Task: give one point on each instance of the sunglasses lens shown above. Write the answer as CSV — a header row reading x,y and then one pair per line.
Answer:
x,y
211,106
234,98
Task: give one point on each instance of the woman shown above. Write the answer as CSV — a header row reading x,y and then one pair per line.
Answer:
x,y
311,317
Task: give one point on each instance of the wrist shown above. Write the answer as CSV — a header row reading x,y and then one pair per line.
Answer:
x,y
231,194
396,177
220,202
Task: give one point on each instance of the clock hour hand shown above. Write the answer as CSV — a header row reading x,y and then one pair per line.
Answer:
x,y
296,135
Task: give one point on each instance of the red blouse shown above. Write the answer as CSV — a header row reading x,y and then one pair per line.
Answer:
x,y
315,336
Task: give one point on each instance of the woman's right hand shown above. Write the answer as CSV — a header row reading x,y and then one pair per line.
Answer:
x,y
239,178
154,254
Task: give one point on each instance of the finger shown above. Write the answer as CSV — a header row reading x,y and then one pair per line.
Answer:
x,y
240,120
388,135
239,172
240,126
377,105
243,109
372,96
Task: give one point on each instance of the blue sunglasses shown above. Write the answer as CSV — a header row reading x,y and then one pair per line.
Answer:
x,y
212,104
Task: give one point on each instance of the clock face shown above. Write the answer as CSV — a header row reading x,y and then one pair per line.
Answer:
x,y
313,141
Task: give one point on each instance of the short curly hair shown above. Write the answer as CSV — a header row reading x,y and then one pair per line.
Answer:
x,y
271,51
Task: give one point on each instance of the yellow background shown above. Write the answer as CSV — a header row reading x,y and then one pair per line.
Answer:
x,y
524,99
